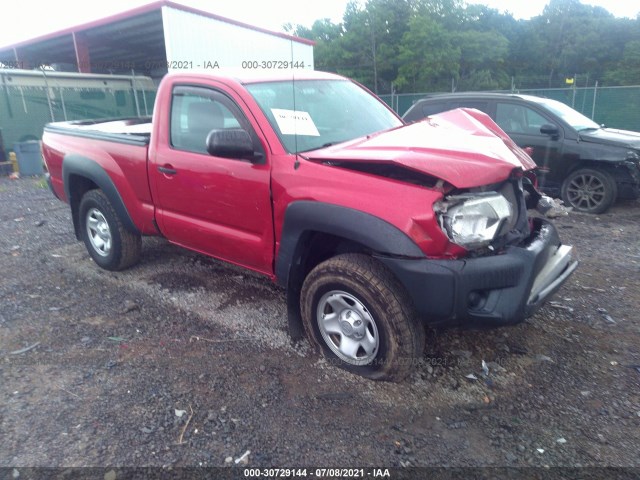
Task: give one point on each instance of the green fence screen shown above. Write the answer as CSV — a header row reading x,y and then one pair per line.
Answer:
x,y
615,107
24,110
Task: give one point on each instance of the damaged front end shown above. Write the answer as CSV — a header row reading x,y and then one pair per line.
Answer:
x,y
513,263
487,219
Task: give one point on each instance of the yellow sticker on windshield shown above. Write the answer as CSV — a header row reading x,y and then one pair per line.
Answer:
x,y
295,122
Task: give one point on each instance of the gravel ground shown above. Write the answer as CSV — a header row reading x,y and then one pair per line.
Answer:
x,y
185,361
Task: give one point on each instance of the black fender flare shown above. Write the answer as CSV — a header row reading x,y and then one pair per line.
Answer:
x,y
363,228
78,165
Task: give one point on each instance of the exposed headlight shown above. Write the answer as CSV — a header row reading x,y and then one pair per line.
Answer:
x,y
473,220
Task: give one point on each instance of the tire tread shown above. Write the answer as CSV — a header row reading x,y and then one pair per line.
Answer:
x,y
408,334
128,252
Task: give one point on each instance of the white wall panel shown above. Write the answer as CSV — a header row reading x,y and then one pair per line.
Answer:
x,y
195,41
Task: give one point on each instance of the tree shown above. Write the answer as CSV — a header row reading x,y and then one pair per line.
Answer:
x,y
372,37
328,51
428,55
483,57
628,69
575,38
421,45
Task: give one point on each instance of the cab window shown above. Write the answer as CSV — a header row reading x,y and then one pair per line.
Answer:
x,y
194,115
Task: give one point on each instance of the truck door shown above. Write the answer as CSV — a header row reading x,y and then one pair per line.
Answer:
x,y
217,206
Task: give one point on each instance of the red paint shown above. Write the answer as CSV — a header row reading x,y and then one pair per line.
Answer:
x,y
234,210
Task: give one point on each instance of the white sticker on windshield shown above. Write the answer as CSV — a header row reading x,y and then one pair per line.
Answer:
x,y
295,122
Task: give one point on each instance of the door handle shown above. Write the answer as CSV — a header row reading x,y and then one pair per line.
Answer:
x,y
167,170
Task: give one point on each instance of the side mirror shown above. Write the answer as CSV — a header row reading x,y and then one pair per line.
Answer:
x,y
550,129
232,143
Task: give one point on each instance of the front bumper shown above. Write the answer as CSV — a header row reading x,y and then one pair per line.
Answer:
x,y
488,291
628,182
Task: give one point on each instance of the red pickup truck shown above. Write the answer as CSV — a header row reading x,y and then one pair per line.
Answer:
x,y
375,228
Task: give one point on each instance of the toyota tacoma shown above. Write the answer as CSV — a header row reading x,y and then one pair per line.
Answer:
x,y
375,228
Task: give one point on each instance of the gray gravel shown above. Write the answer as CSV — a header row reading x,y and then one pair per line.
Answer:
x,y
118,355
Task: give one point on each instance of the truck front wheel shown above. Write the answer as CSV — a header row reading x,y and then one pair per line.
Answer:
x,y
361,318
109,243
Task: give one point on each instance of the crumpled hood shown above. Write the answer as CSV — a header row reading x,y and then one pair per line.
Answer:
x,y
463,147
611,136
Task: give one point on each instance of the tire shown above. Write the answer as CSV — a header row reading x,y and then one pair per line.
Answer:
x,y
590,191
109,243
357,313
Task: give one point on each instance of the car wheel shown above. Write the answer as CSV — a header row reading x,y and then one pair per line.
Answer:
x,y
358,314
588,190
109,243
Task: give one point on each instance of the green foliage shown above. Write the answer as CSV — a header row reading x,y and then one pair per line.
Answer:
x,y
627,71
435,45
482,60
428,56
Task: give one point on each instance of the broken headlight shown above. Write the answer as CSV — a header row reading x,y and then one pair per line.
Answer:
x,y
473,220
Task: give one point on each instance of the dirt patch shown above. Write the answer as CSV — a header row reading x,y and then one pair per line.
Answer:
x,y
185,361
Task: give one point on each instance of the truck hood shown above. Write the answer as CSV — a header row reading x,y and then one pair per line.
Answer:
x,y
611,136
463,147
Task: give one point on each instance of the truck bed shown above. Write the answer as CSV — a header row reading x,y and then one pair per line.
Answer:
x,y
110,153
132,130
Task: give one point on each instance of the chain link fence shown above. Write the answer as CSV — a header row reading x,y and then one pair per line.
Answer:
x,y
615,107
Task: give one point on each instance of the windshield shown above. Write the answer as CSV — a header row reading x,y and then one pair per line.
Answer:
x,y
311,114
569,115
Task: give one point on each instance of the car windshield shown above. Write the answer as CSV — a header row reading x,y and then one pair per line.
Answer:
x,y
311,114
569,115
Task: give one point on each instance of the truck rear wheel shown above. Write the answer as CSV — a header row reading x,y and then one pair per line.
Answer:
x,y
109,243
589,190
357,313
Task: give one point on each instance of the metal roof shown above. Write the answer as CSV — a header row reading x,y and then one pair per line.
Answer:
x,y
135,38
